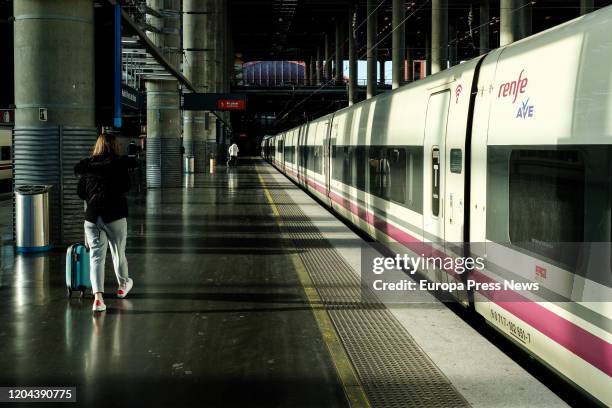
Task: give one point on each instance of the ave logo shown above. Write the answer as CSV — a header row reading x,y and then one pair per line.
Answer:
x,y
524,110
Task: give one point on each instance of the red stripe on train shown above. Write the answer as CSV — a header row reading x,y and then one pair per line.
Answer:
x,y
594,350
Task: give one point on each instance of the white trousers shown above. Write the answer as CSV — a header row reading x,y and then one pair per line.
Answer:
x,y
99,237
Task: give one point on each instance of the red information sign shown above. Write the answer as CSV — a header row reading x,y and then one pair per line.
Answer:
x,y
231,104
540,271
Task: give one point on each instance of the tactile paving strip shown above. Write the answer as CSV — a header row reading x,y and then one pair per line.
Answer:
x,y
393,369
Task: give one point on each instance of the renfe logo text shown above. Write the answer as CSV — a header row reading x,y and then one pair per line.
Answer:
x,y
513,88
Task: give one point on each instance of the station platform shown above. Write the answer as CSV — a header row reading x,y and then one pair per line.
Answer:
x,y
247,293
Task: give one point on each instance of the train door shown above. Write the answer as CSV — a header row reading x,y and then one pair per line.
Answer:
x,y
434,172
454,189
281,153
300,153
454,192
327,146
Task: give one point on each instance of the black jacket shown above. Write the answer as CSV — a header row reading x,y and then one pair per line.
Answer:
x,y
103,182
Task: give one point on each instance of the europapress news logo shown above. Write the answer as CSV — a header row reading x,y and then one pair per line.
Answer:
x,y
512,89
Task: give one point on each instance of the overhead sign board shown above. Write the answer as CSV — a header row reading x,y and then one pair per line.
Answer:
x,y
130,97
213,102
231,104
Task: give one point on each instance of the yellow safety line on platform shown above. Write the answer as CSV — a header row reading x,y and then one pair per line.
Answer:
x,y
344,368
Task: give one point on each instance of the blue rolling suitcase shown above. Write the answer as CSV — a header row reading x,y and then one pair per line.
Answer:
x,y
77,269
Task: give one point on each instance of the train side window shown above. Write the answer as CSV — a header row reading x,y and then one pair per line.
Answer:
x,y
546,192
456,160
5,153
396,183
281,149
414,175
347,173
359,167
288,150
378,168
337,159
304,157
313,158
435,182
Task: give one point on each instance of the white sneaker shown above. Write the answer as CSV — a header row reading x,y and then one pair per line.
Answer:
x,y
98,306
125,289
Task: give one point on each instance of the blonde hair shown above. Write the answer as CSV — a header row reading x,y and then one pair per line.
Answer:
x,y
106,144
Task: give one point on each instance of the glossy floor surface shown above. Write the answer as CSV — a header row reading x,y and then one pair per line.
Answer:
x,y
217,316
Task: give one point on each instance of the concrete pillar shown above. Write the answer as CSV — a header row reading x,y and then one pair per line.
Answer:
x,y
313,71
273,72
290,72
164,159
452,46
327,63
163,134
339,69
171,37
278,73
215,42
525,24
398,43
506,32
372,50
484,26
427,55
515,16
54,70
586,6
318,66
216,67
210,76
224,70
439,35
409,71
352,54
228,71
194,69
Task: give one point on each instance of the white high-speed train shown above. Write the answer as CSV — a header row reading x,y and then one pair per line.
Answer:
x,y
510,152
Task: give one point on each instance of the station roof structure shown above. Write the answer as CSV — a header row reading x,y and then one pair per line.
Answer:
x,y
292,29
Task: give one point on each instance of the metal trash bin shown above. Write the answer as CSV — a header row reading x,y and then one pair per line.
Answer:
x,y
189,166
32,218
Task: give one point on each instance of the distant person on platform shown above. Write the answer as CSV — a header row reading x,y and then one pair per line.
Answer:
x,y
103,184
233,153
133,149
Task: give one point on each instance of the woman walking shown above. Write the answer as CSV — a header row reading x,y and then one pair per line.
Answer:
x,y
104,181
